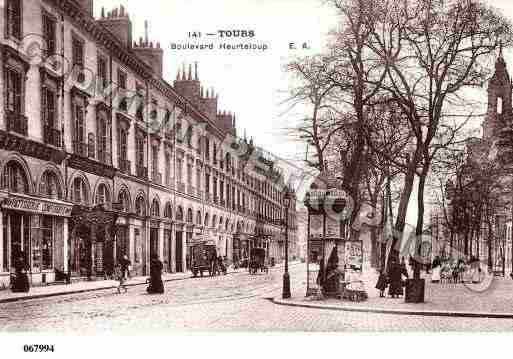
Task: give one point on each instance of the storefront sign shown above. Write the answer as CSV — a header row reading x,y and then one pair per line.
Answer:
x,y
35,206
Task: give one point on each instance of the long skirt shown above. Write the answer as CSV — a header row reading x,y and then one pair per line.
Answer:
x,y
156,285
21,283
396,288
382,282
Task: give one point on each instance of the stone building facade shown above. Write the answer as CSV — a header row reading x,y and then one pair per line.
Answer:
x,y
101,157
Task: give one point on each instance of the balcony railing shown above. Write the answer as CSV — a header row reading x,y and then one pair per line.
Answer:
x,y
17,123
191,190
216,200
181,187
141,171
124,166
104,157
80,148
52,136
208,197
223,202
157,177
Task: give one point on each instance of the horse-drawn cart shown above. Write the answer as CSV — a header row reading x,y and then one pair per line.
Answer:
x,y
202,255
257,261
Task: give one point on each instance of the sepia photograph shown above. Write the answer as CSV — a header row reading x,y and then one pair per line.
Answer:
x,y
254,167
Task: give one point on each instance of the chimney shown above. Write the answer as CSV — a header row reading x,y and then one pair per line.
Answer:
x,y
152,55
86,5
119,24
189,86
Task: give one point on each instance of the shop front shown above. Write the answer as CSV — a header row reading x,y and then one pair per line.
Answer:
x,y
33,229
92,247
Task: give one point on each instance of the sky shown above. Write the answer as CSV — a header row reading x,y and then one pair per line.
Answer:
x,y
250,83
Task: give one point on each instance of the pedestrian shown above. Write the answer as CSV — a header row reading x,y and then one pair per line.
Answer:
x,y
120,277
156,285
382,283
437,269
455,272
125,266
21,283
397,271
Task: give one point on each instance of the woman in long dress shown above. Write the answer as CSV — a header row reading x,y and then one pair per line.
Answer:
x,y
156,285
396,283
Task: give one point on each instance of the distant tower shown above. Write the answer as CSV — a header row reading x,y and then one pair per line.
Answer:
x,y
499,111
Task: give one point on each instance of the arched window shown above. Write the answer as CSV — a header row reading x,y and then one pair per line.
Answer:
x,y
221,223
207,218
179,214
80,192
49,186
15,178
124,199
189,215
198,218
214,220
168,213
499,105
103,195
140,206
227,226
155,208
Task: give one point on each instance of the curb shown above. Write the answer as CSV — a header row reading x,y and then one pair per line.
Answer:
x,y
426,313
78,291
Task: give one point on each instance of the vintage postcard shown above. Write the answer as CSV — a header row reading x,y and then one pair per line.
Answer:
x,y
254,166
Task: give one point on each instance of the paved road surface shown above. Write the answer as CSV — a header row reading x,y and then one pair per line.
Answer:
x,y
235,302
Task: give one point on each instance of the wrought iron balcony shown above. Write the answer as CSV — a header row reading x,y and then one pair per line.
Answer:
x,y
17,122
124,166
141,172
52,136
223,202
216,200
80,148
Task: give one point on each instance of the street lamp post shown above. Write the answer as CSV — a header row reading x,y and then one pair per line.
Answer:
x,y
286,277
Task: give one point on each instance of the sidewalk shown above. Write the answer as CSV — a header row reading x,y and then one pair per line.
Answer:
x,y
455,300
7,296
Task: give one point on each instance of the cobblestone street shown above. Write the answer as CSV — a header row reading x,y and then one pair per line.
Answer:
x,y
233,302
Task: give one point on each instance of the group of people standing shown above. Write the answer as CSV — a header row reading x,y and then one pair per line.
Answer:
x,y
393,279
456,271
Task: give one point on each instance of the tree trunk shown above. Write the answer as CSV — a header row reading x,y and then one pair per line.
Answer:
x,y
400,222
420,221
373,232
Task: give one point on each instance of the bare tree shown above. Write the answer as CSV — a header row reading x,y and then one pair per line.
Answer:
x,y
435,49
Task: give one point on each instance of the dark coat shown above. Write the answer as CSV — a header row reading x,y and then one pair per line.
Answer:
x,y
124,264
156,284
396,282
21,282
382,282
